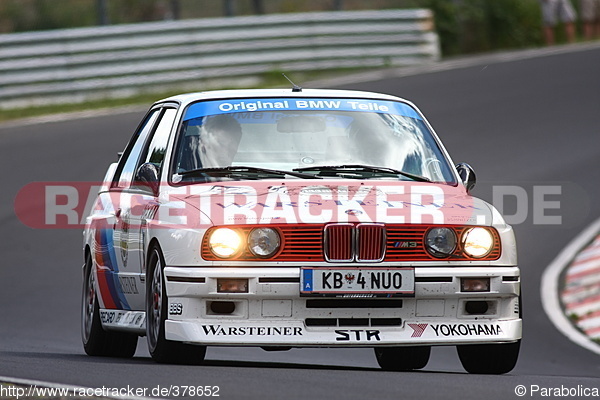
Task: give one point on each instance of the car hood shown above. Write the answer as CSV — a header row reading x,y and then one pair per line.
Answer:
x,y
302,201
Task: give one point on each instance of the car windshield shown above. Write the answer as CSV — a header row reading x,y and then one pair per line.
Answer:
x,y
340,138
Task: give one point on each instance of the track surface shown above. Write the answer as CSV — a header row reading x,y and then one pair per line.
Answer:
x,y
533,122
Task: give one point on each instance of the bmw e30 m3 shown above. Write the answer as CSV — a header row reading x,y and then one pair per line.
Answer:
x,y
297,218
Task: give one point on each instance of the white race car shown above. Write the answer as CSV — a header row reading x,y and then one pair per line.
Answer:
x,y
297,218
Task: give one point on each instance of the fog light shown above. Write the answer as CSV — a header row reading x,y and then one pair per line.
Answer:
x,y
476,307
475,284
225,285
222,307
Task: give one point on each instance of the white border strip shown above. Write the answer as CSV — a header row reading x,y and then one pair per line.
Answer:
x,y
549,288
75,115
72,388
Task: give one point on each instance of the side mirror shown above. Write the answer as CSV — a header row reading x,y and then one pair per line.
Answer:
x,y
147,177
467,175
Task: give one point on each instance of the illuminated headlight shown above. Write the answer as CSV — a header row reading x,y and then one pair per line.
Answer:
x,y
440,242
477,242
264,242
224,242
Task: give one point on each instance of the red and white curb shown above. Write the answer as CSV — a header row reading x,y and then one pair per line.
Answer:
x,y
581,293
579,301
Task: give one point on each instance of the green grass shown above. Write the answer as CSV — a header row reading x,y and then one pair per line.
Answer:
x,y
573,317
19,113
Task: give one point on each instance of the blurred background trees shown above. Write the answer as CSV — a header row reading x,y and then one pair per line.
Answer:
x,y
464,26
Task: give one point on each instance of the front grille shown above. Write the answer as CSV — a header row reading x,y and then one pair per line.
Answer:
x,y
278,280
370,242
300,242
353,303
348,242
386,321
352,322
321,322
338,242
433,279
406,242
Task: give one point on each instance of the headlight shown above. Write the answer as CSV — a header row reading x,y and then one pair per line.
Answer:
x,y
264,242
477,242
440,242
224,242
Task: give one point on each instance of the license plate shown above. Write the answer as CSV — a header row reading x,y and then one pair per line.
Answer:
x,y
352,282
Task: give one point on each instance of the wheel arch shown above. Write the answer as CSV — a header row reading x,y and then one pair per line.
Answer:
x,y
153,244
87,252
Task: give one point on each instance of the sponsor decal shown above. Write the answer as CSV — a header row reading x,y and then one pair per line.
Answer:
x,y
418,329
368,335
128,285
218,330
467,330
107,271
124,238
406,245
354,212
446,330
205,108
120,317
108,317
175,309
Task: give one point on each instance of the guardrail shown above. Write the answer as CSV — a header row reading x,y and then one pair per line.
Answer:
x,y
75,65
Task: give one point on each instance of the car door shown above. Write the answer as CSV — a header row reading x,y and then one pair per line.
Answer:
x,y
143,202
118,279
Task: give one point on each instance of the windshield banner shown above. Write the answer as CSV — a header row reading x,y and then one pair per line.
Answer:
x,y
229,106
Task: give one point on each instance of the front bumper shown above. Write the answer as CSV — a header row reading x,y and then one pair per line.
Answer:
x,y
273,313
294,333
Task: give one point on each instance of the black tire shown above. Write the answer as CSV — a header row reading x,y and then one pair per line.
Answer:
x,y
402,358
489,358
161,349
97,341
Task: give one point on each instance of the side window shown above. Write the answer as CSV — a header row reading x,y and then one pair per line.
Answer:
x,y
130,158
155,153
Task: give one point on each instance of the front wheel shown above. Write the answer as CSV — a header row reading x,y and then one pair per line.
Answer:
x,y
97,341
402,358
489,358
161,349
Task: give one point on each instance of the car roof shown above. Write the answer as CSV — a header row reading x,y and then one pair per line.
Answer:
x,y
253,93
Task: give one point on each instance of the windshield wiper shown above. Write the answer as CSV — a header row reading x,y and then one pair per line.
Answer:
x,y
336,170
241,170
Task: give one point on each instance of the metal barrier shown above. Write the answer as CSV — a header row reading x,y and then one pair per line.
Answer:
x,y
75,65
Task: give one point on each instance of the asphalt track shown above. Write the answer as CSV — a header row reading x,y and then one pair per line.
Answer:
x,y
530,123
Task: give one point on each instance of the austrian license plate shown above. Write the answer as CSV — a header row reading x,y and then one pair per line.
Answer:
x,y
352,282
